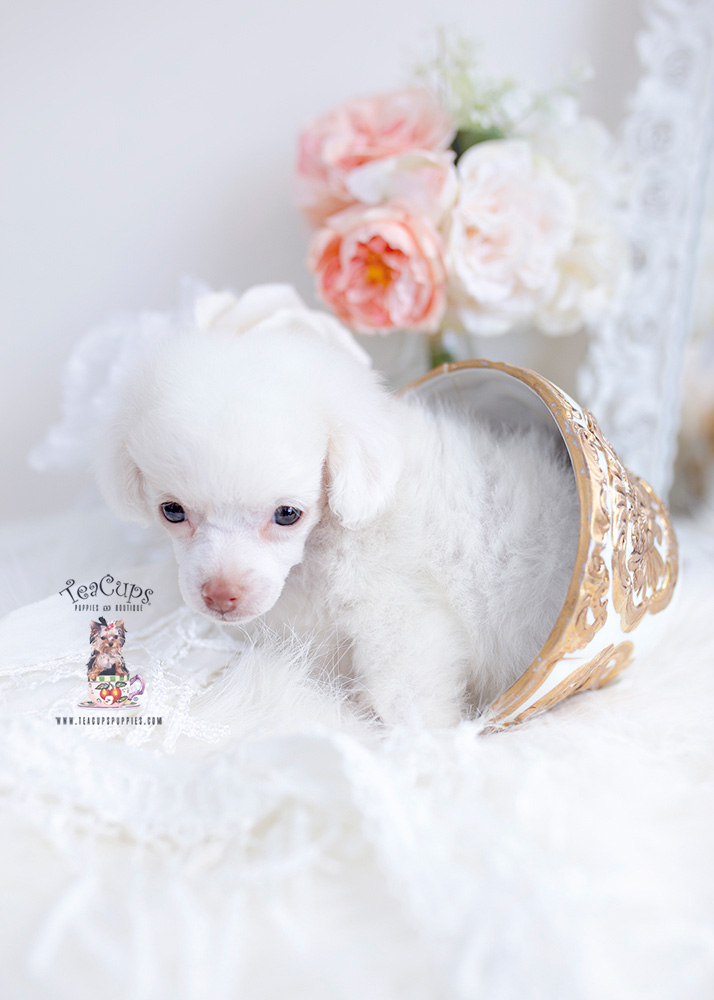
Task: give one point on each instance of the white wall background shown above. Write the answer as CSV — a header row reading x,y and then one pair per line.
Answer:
x,y
148,139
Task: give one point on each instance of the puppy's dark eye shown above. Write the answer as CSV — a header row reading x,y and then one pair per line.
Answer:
x,y
287,515
173,512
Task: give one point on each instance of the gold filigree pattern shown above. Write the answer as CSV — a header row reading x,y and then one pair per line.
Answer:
x,y
595,583
645,560
616,509
596,673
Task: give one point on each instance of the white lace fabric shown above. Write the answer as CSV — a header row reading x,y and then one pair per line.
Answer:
x,y
267,834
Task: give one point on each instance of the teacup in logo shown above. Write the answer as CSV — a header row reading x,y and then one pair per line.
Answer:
x,y
108,680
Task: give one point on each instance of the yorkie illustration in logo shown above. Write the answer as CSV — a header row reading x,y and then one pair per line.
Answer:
x,y
109,683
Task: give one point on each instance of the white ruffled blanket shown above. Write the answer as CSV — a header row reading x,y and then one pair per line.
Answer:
x,y
264,841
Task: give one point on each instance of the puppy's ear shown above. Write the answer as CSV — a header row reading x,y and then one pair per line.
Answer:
x,y
94,630
364,462
121,481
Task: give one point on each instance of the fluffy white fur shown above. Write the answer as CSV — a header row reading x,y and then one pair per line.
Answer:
x,y
434,548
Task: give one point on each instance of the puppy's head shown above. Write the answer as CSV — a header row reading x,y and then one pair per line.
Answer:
x,y
107,637
237,445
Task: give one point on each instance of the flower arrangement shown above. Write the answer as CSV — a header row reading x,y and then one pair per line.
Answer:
x,y
462,204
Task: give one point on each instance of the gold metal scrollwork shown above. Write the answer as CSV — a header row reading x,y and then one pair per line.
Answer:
x,y
598,672
595,585
645,561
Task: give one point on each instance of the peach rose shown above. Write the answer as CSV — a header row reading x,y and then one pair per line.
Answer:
x,y
381,269
359,132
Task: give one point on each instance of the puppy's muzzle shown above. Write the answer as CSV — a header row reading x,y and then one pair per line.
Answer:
x,y
222,596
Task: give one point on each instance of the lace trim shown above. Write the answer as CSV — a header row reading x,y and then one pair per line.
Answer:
x,y
632,374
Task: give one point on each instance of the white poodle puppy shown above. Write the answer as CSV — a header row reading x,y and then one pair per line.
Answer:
x,y
437,549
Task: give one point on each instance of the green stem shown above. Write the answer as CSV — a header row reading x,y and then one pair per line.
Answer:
x,y
438,354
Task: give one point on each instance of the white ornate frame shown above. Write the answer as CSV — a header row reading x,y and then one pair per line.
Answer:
x,y
632,374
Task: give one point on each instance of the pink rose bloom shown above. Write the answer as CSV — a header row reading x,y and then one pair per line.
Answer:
x,y
359,132
381,269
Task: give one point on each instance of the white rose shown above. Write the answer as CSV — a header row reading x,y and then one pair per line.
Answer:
x,y
592,271
513,221
590,275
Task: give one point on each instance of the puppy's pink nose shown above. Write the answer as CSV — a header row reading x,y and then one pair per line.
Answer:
x,y
221,595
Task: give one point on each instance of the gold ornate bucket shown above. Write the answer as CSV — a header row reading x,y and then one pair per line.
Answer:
x,y
626,565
